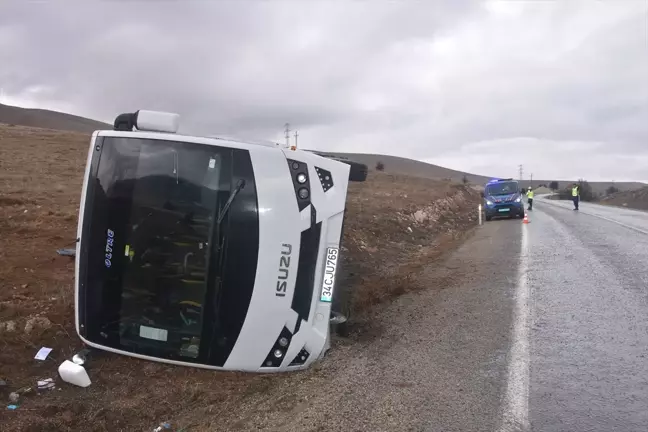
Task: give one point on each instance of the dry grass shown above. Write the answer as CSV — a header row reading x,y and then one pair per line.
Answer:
x,y
636,199
40,183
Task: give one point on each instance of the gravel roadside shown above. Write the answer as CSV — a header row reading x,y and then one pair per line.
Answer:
x,y
436,363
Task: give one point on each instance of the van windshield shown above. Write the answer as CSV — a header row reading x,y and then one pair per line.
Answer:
x,y
502,188
153,277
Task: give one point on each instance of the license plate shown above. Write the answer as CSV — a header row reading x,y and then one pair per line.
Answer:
x,y
332,255
503,210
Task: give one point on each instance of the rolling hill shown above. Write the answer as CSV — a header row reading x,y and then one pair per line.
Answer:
x,y
636,199
48,119
599,188
393,164
399,165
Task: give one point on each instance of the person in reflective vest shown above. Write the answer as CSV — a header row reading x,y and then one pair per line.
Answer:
x,y
529,195
575,195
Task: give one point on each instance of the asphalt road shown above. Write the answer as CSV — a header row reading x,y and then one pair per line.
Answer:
x,y
634,219
587,279
538,327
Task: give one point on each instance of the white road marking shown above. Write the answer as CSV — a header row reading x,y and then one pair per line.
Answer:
x,y
515,414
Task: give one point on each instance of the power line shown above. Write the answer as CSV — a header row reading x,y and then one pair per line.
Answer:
x,y
287,132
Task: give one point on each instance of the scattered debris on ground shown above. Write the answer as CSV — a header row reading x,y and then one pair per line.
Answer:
x,y
66,252
395,225
43,353
74,373
162,426
46,384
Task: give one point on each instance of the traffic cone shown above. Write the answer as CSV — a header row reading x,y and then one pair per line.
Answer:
x,y
526,218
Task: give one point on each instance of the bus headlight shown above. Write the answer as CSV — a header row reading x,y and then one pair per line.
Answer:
x,y
300,182
278,351
489,203
518,199
301,358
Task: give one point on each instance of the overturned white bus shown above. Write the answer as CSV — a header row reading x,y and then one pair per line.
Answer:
x,y
207,252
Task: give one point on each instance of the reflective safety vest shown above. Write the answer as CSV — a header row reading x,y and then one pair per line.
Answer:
x,y
575,191
530,194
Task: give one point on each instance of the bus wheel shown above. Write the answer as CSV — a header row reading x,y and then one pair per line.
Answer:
x,y
341,311
339,324
358,172
337,318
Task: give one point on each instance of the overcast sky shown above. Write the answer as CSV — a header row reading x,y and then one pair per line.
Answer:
x,y
560,87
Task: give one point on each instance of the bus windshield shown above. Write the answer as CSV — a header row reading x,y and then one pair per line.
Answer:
x,y
152,268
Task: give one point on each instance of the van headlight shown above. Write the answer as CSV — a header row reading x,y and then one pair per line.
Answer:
x,y
489,202
518,199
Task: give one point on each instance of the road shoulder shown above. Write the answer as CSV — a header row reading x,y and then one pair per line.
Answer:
x,y
435,362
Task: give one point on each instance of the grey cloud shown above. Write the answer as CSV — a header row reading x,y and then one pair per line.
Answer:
x,y
219,58
355,76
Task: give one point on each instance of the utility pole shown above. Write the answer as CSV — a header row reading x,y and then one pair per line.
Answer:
x,y
287,132
521,172
531,180
296,135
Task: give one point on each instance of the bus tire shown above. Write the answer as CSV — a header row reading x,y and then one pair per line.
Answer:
x,y
358,172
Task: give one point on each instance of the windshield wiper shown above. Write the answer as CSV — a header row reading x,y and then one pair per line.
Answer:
x,y
217,279
240,185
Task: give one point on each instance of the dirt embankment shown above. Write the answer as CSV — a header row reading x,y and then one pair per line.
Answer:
x,y
395,225
636,199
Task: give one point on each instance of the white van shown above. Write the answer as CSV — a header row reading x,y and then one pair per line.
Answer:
x,y
207,252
